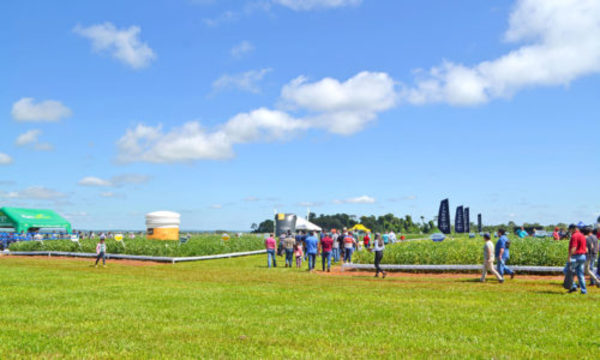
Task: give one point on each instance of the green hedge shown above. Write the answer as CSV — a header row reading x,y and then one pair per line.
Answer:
x,y
196,246
463,251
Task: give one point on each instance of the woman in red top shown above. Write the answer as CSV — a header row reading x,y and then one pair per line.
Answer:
x,y
271,246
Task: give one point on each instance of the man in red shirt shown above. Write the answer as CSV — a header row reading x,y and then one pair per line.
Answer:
x,y
577,257
326,247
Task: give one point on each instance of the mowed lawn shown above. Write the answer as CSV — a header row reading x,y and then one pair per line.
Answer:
x,y
237,308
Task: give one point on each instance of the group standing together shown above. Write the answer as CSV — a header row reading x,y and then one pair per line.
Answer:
x,y
332,246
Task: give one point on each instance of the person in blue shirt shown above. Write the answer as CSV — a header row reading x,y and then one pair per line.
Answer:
x,y
312,245
522,233
386,238
502,254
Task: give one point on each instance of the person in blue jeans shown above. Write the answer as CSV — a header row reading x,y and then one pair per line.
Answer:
x,y
577,257
312,245
502,254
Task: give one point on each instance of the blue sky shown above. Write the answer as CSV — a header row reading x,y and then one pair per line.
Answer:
x,y
226,110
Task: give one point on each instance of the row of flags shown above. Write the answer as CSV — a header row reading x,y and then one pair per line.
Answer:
x,y
462,221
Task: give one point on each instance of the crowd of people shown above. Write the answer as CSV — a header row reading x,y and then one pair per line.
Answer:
x,y
333,246
581,257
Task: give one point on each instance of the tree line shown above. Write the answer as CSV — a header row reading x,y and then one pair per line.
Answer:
x,y
383,223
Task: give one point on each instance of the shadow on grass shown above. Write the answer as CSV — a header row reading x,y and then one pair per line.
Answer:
x,y
551,292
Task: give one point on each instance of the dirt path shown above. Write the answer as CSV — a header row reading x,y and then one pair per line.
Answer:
x,y
337,271
90,260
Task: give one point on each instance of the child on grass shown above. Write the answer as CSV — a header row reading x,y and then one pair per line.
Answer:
x,y
101,251
298,252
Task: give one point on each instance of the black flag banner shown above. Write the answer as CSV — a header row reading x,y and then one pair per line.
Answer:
x,y
467,221
459,220
479,226
444,217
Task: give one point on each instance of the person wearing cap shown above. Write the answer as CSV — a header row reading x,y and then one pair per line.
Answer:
x,y
577,257
488,259
349,244
502,254
591,241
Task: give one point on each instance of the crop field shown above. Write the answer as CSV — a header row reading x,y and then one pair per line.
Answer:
x,y
197,246
240,309
462,250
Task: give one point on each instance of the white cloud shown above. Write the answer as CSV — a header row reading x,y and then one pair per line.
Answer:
x,y
226,17
34,193
242,49
251,198
29,137
110,194
356,200
216,206
342,107
114,181
304,5
247,81
560,44
49,110
5,159
192,142
123,44
94,181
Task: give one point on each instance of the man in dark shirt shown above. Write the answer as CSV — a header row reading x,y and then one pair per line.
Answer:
x,y
577,257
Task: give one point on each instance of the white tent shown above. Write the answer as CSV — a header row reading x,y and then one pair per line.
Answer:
x,y
303,224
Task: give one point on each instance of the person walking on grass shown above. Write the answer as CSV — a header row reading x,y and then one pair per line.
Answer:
x,y
577,257
101,251
335,248
271,246
298,252
312,247
349,244
488,259
502,254
326,247
378,247
591,242
288,244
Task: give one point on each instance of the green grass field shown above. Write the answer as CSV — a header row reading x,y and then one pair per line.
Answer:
x,y
237,308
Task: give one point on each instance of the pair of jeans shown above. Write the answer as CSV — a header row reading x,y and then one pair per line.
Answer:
x,y
502,268
578,261
102,256
289,257
335,253
378,257
348,254
312,259
271,257
326,255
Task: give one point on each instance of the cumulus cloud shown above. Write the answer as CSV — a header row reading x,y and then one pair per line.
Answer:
x,y
114,181
305,5
49,110
31,138
242,49
94,181
5,159
122,44
356,200
34,193
28,137
342,107
192,142
559,44
247,81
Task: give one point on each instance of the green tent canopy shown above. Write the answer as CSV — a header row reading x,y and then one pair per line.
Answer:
x,y
24,219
